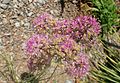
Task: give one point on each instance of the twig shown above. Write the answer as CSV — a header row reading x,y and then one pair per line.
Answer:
x,y
52,73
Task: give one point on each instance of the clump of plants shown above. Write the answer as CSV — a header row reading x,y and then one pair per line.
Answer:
x,y
106,11
64,39
108,70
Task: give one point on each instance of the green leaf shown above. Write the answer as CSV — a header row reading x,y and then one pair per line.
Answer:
x,y
105,77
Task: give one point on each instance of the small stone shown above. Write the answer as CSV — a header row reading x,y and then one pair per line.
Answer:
x,y
7,34
15,6
6,1
30,1
1,46
11,21
17,24
42,1
31,6
1,23
4,6
27,24
30,14
25,20
74,1
5,21
56,1
22,22
3,16
69,81
20,4
1,10
15,1
52,12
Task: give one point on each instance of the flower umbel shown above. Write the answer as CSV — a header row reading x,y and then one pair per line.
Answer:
x,y
79,67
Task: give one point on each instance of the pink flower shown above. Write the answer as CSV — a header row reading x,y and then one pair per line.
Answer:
x,y
42,20
79,67
33,45
67,44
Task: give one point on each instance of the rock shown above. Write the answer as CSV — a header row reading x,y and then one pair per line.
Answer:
x,y
53,12
31,6
68,81
56,1
30,1
30,14
0,41
15,1
6,1
17,24
7,34
3,6
27,24
5,21
75,1
42,1
22,22
21,5
1,10
15,6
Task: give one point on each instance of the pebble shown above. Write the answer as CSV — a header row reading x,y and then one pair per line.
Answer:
x,y
31,6
15,1
30,14
3,6
41,1
22,22
15,6
6,1
54,12
1,10
27,24
5,21
1,46
56,1
17,24
30,1
75,1
69,81
8,34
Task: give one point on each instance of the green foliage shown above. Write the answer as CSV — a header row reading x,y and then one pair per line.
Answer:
x,y
106,12
28,78
108,71
8,72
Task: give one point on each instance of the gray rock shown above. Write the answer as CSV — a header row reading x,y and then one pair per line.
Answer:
x,y
30,14
17,24
1,10
68,81
27,25
4,6
1,45
56,1
6,1
41,1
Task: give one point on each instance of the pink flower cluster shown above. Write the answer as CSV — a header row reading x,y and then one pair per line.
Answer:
x,y
82,27
37,41
34,50
61,38
67,45
79,67
42,20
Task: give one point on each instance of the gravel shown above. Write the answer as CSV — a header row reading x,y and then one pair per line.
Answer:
x,y
6,1
16,18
